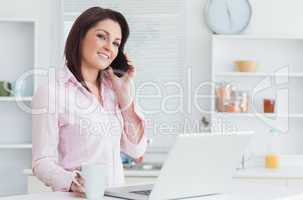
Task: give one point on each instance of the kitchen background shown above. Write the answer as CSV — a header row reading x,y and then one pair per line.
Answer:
x,y
190,64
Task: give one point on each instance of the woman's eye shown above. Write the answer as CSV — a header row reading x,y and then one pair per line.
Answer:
x,y
101,36
116,44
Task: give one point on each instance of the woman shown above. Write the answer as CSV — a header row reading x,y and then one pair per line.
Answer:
x,y
91,115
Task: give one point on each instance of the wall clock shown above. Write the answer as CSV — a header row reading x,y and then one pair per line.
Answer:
x,y
227,16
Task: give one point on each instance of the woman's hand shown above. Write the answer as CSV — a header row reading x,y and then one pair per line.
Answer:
x,y
75,187
123,86
139,160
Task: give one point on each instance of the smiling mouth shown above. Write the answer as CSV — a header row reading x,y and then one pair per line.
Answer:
x,y
102,55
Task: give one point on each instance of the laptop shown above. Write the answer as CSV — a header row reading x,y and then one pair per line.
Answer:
x,y
200,164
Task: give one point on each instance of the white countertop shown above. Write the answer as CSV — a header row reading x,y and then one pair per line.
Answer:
x,y
282,173
285,172
239,192
258,172
142,173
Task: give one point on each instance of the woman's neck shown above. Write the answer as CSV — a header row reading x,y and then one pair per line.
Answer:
x,y
90,75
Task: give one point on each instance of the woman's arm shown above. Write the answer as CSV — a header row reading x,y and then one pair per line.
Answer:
x,y
133,141
133,122
45,138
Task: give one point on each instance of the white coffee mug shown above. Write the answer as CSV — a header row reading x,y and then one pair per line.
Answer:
x,y
95,176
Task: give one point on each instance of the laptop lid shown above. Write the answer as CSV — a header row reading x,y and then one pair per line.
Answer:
x,y
200,164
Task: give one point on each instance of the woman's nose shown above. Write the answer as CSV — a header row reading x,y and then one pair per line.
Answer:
x,y
108,46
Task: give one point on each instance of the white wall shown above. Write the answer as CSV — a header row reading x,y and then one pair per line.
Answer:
x,y
197,52
277,17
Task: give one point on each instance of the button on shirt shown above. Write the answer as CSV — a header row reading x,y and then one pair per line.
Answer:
x,y
71,127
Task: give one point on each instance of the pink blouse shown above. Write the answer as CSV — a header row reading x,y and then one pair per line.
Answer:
x,y
71,127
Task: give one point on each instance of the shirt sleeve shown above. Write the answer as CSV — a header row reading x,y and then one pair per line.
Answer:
x,y
131,149
45,139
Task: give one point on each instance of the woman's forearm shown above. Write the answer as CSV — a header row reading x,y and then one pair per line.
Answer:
x,y
133,125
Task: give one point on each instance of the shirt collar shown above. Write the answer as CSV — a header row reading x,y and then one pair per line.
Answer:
x,y
65,75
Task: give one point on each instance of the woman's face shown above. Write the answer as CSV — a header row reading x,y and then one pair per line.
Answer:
x,y
100,45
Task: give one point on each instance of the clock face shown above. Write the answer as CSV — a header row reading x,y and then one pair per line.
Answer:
x,y
228,16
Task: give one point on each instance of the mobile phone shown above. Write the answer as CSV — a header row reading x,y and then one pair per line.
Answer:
x,y
119,64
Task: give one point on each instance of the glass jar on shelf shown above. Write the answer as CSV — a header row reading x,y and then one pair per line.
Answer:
x,y
269,105
242,96
222,94
233,106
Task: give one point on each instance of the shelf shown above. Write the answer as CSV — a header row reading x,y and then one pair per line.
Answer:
x,y
15,146
258,74
17,20
279,75
257,114
13,99
260,37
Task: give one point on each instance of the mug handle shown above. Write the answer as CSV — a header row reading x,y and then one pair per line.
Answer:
x,y
75,173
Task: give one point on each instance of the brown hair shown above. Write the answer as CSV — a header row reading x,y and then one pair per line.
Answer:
x,y
88,19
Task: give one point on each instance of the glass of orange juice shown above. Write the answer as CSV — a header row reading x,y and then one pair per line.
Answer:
x,y
272,161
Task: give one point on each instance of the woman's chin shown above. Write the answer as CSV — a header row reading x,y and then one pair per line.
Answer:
x,y
102,66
